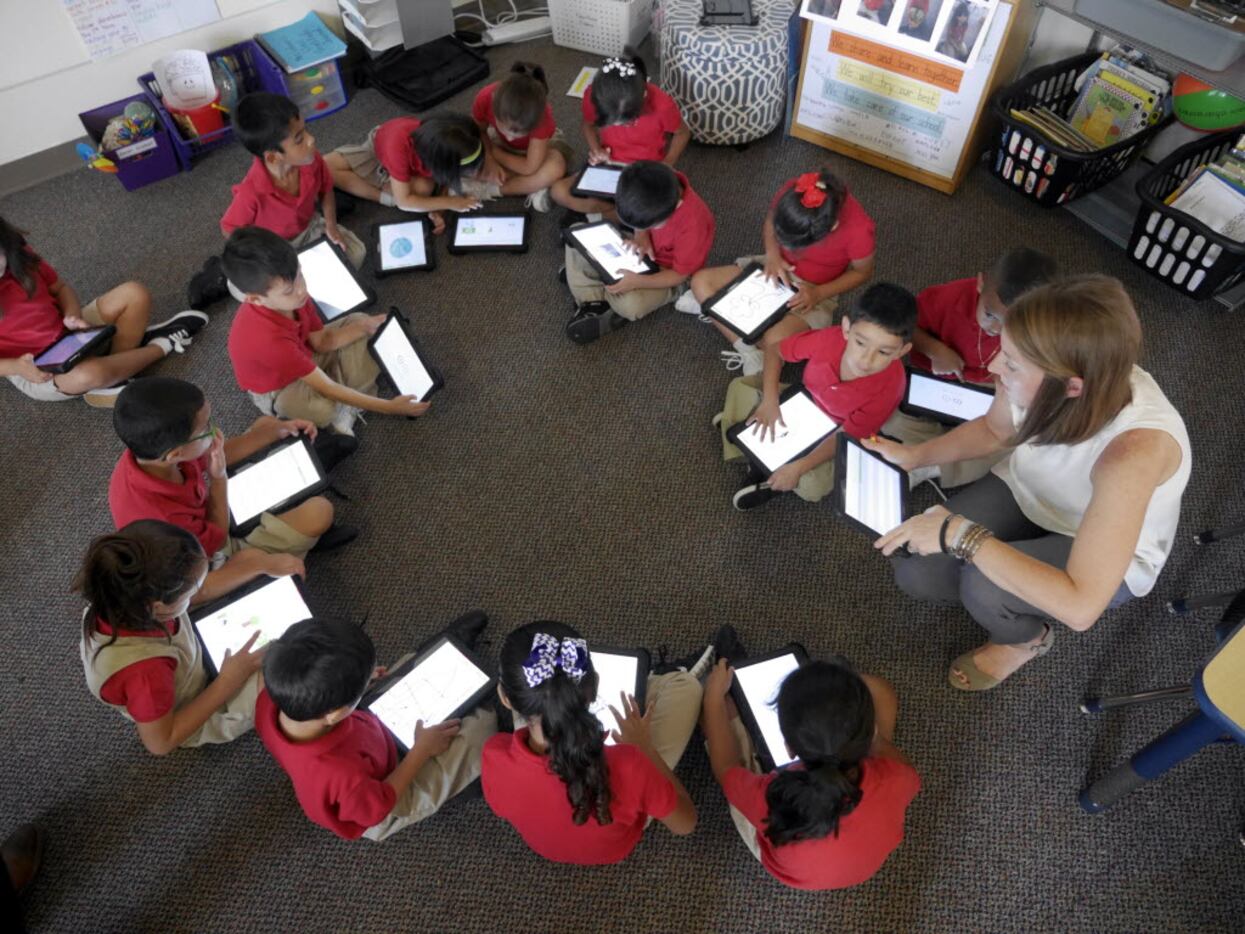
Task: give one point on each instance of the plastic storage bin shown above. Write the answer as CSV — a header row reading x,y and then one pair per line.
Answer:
x,y
1044,171
140,163
601,26
372,12
376,25
1176,31
317,91
256,72
1177,248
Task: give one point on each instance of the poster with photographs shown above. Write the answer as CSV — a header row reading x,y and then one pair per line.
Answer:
x,y
950,31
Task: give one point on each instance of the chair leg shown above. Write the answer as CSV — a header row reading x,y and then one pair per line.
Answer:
x,y
1173,747
1099,704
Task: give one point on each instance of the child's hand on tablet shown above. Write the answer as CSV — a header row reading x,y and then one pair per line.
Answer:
x,y
629,282
216,457
284,566
766,418
633,725
434,740
237,667
371,323
27,370
805,299
333,232
408,406
74,323
901,455
288,428
597,156
462,203
946,362
719,681
642,245
786,478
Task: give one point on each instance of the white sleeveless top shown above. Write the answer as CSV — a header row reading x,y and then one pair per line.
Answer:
x,y
1052,486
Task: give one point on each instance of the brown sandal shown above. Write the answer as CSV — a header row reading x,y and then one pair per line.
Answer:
x,y
966,667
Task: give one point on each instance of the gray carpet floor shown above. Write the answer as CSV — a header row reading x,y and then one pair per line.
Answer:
x,y
585,484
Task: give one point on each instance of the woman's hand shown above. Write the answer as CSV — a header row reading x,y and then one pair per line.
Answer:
x,y
920,533
902,456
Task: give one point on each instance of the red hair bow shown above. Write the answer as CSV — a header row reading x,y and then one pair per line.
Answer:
x,y
812,189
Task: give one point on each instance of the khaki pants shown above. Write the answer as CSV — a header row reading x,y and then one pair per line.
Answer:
x,y
47,391
355,251
912,430
236,717
441,777
586,286
743,395
351,366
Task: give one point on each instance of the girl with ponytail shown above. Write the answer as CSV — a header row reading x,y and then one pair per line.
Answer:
x,y
139,651
831,819
573,797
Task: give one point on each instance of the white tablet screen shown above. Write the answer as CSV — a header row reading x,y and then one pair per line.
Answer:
x,y
272,609
66,347
600,178
431,692
806,425
751,301
760,684
872,491
410,376
403,245
952,399
329,281
483,230
260,486
616,675
606,245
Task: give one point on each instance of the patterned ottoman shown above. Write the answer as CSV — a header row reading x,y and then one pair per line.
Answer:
x,y
729,81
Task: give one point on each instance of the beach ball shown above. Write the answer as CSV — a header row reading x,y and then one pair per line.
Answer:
x,y
1200,107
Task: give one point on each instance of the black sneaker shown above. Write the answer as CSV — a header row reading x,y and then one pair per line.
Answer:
x,y
696,663
346,203
207,286
182,327
752,496
593,321
562,274
469,627
333,448
337,536
726,645
571,218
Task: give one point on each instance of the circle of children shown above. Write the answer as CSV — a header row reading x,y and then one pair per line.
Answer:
x,y
829,821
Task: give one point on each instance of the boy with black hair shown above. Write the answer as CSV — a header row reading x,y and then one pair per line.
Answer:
x,y
853,372
173,470
673,227
290,363
287,180
342,761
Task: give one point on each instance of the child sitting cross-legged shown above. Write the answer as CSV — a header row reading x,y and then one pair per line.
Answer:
x,y
854,372
290,362
343,763
174,467
673,227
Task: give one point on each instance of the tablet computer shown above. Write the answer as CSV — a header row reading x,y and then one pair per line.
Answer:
x,y
603,246
750,304
331,281
441,683
270,604
597,181
403,246
618,671
869,491
489,233
805,426
948,401
68,351
395,350
755,691
272,480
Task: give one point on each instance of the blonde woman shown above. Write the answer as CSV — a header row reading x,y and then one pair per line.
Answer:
x,y
1082,514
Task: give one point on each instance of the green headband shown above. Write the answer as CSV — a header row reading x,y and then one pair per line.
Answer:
x,y
473,157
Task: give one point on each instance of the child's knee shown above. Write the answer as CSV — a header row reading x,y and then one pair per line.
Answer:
x,y
135,296
319,514
554,166
700,284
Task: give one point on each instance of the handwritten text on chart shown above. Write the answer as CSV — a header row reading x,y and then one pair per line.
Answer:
x,y
890,85
904,63
884,108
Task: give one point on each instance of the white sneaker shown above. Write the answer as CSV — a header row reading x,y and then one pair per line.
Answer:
x,y
704,664
750,360
343,421
540,201
173,342
687,303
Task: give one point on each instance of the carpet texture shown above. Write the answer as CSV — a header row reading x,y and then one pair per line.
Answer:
x,y
585,484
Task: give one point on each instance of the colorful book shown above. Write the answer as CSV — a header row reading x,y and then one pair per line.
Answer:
x,y
303,44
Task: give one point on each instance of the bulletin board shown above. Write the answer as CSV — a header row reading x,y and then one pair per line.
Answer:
x,y
906,113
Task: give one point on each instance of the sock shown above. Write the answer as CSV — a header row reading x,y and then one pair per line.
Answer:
x,y
386,198
163,343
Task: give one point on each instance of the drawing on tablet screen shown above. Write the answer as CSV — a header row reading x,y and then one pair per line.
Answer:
x,y
432,691
400,247
752,301
490,231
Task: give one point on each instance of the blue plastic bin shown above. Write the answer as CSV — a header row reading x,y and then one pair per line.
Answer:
x,y
138,164
317,91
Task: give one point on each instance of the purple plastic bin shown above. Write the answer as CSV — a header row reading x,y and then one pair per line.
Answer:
x,y
140,163
255,70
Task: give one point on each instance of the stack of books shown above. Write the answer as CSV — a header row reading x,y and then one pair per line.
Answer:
x,y
1215,194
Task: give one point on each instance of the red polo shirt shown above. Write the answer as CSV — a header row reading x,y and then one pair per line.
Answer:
x,y
949,313
29,323
867,836
860,406
828,258
147,689
645,136
521,788
482,112
269,351
135,494
259,202
339,778
395,149
683,242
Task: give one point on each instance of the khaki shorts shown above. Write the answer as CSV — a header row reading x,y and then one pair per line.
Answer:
x,y
47,391
556,142
362,160
820,315
273,535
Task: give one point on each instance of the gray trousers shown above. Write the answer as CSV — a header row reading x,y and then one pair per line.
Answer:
x,y
944,580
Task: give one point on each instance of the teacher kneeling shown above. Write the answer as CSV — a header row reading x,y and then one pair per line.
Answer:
x,y
1082,514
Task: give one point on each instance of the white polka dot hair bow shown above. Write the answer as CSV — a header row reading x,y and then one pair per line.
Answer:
x,y
549,654
623,68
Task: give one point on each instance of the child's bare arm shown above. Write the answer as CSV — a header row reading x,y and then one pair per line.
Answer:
x,y
408,200
264,431
430,741
242,568
715,722
943,359
400,405
787,477
858,272
678,142
23,366
361,327
596,152
66,299
218,489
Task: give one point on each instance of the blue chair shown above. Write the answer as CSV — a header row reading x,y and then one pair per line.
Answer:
x,y
1219,690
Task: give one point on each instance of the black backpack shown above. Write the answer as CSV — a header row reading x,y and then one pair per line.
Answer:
x,y
422,77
